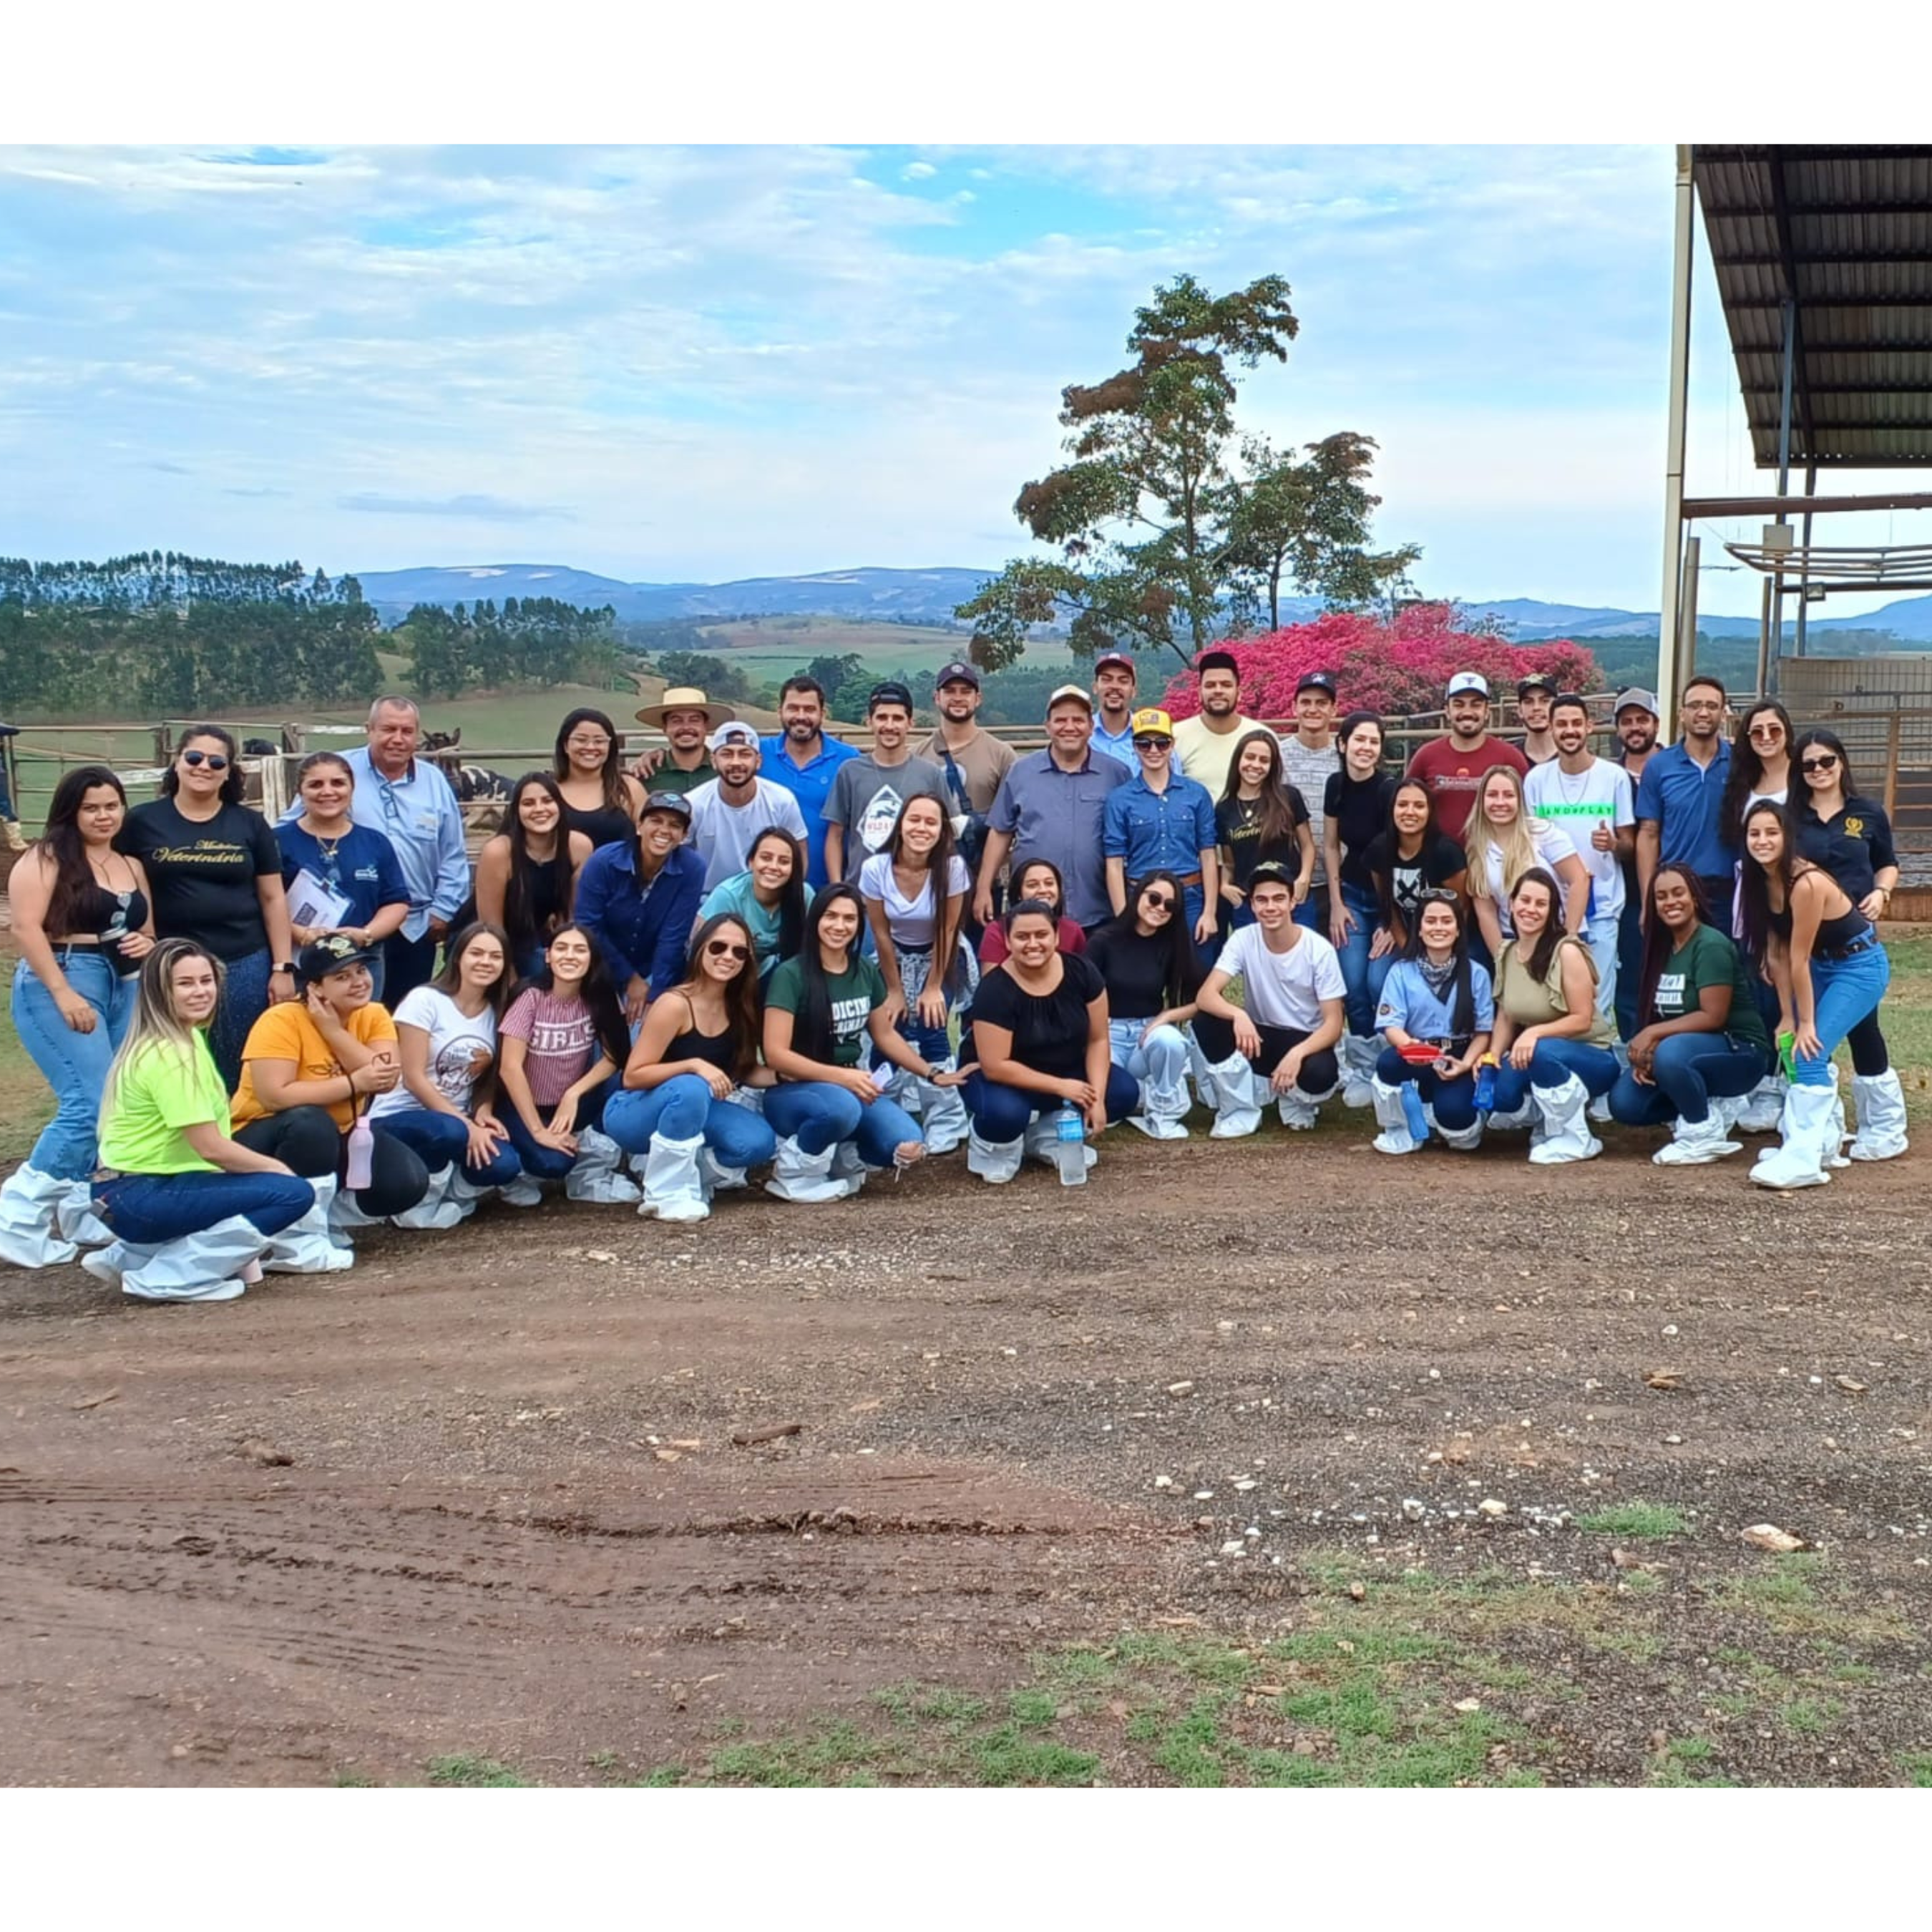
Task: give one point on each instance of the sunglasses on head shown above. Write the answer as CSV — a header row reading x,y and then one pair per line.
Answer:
x,y
214,760
1822,764
726,948
1436,895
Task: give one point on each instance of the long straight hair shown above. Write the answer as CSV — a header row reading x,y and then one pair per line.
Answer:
x,y
1181,972
615,797
156,1026
1658,944
744,1011
812,1035
791,894
1385,882
1462,1015
1515,842
60,842
526,873
938,868
597,992
450,979
1536,959
1277,817
1747,767
1801,792
1754,882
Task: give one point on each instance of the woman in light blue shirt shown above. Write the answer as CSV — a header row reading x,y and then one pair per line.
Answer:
x,y
770,896
1435,996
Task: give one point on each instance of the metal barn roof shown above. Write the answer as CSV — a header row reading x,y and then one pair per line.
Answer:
x,y
1845,235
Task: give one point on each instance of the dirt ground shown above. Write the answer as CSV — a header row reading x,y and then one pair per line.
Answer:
x,y
477,1501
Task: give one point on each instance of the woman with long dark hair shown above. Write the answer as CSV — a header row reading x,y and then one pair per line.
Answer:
x,y
526,874
821,1009
1551,1041
354,864
1354,805
1847,832
1760,767
1410,855
1701,1038
1146,962
915,894
1260,819
215,874
696,1053
193,1213
1824,957
770,897
599,799
1435,996
559,1047
81,920
443,1107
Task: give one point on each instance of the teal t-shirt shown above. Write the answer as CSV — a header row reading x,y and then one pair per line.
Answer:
x,y
737,896
856,994
1709,958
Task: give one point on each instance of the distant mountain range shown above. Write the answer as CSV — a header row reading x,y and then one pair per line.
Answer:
x,y
928,596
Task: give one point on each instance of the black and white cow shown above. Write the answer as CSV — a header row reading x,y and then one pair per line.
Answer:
x,y
475,784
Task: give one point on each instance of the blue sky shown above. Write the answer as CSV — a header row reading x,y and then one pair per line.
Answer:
x,y
701,363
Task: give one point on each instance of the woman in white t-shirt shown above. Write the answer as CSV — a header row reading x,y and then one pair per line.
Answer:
x,y
915,894
446,1039
1502,842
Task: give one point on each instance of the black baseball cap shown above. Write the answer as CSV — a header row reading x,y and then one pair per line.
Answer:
x,y
330,954
891,692
675,803
957,672
1315,680
1271,872
1537,680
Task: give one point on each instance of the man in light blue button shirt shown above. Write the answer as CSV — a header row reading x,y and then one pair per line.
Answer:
x,y
410,802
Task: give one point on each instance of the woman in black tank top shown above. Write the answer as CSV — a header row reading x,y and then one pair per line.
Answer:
x,y
1821,953
526,874
599,799
83,922
684,1109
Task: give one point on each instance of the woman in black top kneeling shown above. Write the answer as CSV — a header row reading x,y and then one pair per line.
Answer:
x,y
1146,960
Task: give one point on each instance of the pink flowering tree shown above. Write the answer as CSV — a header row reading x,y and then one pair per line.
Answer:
x,y
1398,668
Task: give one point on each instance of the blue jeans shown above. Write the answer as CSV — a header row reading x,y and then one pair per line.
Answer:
x,y
407,964
1630,964
1002,1113
440,1139
244,999
148,1209
818,1115
1690,1070
74,1064
1602,936
1553,1062
1361,975
1844,991
1454,1100
548,1163
683,1109
1312,913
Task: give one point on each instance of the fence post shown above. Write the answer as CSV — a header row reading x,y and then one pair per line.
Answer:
x,y
1893,736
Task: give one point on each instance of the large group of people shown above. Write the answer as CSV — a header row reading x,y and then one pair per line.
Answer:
x,y
743,953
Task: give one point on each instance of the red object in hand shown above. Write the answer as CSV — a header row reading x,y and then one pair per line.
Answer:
x,y
1420,1053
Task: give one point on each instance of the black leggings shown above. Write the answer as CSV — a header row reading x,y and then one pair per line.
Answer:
x,y
1319,1071
307,1140
1869,1057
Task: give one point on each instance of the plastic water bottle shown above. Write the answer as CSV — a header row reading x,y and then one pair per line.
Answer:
x,y
362,1152
1485,1083
1071,1148
1412,1113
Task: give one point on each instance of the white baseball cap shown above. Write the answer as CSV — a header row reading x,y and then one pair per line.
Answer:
x,y
1468,680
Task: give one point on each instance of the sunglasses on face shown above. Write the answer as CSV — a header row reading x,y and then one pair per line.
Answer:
x,y
1150,744
1161,901
214,760
1767,730
725,948
1823,764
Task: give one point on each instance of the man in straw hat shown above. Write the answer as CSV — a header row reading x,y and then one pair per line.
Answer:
x,y
686,717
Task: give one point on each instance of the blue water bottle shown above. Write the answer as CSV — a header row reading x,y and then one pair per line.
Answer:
x,y
1070,1147
1485,1083
1412,1113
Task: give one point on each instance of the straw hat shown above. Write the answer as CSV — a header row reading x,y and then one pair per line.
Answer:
x,y
685,697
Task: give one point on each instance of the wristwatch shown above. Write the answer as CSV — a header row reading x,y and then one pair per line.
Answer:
x,y
282,966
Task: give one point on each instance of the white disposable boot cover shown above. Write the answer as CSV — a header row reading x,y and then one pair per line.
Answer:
x,y
1237,1095
1880,1101
673,1183
799,1176
1809,1139
1763,1109
441,1206
1566,1130
597,1174
943,1114
307,1246
1696,1143
996,1161
195,1268
79,1223
1395,1137
30,1200
1358,1069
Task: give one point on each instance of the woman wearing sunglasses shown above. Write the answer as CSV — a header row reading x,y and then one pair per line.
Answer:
x,y
1847,834
696,1052
1147,963
216,874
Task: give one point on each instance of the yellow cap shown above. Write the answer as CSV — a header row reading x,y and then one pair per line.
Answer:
x,y
1153,723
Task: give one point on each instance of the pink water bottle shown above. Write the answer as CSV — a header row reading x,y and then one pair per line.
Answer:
x,y
361,1148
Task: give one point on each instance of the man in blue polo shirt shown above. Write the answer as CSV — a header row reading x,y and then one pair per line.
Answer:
x,y
802,759
1678,801
1159,821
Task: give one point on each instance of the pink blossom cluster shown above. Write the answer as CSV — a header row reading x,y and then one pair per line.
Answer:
x,y
1398,668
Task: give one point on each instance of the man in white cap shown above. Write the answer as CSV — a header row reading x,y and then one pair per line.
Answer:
x,y
729,812
685,715
1452,766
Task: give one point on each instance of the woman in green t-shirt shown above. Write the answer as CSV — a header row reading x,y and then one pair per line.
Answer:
x,y
191,1208
821,1008
1701,1037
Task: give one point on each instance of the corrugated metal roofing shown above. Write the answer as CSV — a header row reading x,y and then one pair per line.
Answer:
x,y
1847,234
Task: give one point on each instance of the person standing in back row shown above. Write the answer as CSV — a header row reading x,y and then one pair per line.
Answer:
x,y
1204,744
1535,696
975,763
1680,803
1115,680
728,814
870,790
1636,718
1310,757
1452,766
682,762
1156,822
802,759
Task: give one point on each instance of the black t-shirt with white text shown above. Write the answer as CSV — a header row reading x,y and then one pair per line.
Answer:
x,y
203,874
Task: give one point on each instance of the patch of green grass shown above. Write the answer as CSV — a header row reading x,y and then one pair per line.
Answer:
x,y
1917,1765
475,1774
830,1753
1636,1519
352,1780
1728,1704
1005,1756
26,1105
1692,1749
1808,1716
1033,1710
662,1777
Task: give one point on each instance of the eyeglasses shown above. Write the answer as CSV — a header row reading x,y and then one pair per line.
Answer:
x,y
214,760
724,949
587,744
1164,900
1153,744
1819,764
1771,729
1700,706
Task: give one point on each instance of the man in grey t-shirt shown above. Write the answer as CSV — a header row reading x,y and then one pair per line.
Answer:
x,y
869,791
1309,756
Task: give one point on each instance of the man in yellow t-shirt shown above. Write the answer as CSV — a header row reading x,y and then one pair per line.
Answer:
x,y
309,1068
1204,744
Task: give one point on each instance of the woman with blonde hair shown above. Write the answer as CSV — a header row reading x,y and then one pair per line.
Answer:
x,y
1502,842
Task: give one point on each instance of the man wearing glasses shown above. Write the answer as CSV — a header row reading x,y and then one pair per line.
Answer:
x,y
1159,821
414,805
1679,802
